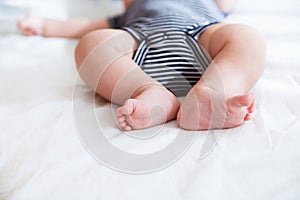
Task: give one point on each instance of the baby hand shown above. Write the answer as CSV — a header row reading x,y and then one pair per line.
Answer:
x,y
30,26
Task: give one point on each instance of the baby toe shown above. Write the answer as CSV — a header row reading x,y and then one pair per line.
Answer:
x,y
123,124
248,117
127,128
121,119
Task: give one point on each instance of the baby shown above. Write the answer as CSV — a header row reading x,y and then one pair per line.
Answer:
x,y
159,50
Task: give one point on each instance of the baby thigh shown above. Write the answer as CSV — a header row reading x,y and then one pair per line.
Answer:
x,y
103,57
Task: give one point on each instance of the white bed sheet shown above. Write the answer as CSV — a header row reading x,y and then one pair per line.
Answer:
x,y
42,156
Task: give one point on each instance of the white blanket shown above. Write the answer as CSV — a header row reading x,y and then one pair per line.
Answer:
x,y
45,155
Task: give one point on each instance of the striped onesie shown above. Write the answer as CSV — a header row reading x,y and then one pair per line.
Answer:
x,y
167,32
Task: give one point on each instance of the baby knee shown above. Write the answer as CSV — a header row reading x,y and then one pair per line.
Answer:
x,y
248,34
256,43
245,36
86,45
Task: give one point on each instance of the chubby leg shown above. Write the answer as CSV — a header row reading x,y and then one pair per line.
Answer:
x,y
221,97
104,61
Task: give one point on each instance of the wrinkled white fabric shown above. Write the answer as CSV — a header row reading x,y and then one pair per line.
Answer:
x,y
41,156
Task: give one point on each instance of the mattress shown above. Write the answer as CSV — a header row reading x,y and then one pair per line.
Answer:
x,y
60,141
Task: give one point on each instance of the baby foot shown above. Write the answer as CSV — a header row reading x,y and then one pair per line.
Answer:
x,y
239,109
30,26
154,106
203,111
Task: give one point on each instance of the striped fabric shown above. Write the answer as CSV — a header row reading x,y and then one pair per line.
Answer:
x,y
173,58
167,32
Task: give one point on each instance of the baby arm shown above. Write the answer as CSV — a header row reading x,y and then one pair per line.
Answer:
x,y
72,28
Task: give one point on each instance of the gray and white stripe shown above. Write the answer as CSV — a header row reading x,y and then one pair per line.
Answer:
x,y
167,32
173,58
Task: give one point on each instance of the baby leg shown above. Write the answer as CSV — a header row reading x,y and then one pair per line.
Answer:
x,y
221,98
104,61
